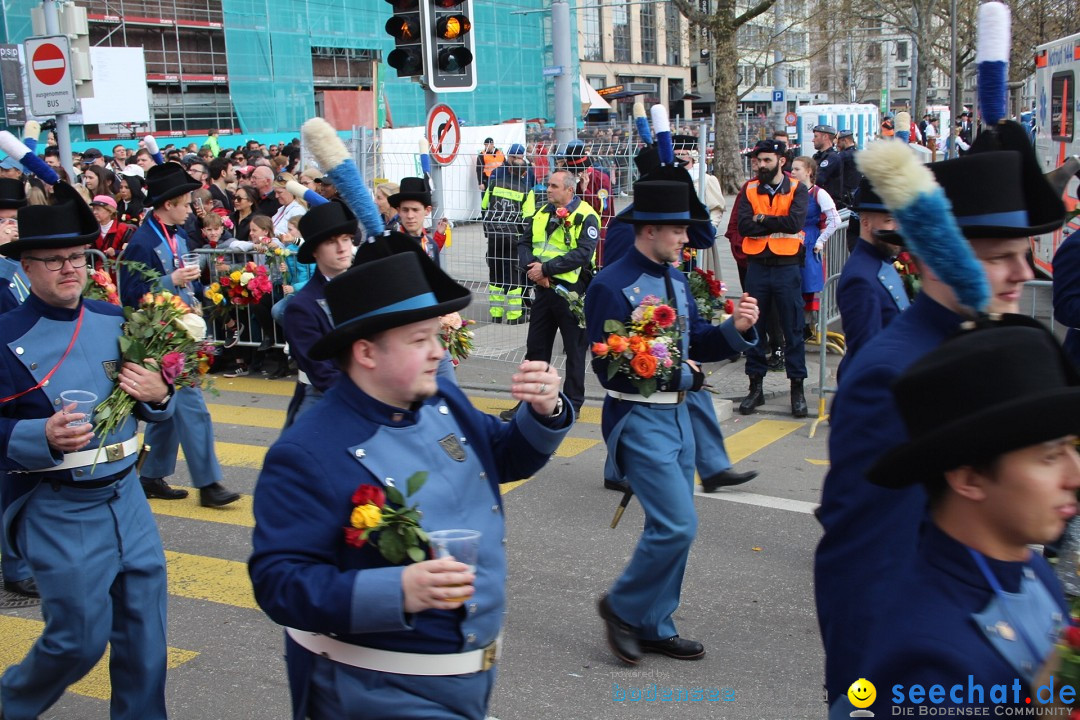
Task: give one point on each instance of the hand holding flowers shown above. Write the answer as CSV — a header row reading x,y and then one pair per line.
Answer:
x,y
393,529
647,351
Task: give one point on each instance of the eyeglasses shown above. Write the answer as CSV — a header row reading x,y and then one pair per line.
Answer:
x,y
54,263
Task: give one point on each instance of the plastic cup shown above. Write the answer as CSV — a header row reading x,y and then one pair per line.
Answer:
x,y
461,545
190,259
84,402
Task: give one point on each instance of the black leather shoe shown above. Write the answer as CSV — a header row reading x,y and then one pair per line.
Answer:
x,y
158,488
612,485
26,588
755,398
675,647
622,639
216,495
726,479
266,344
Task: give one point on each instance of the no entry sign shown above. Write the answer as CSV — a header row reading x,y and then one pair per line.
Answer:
x,y
52,84
444,134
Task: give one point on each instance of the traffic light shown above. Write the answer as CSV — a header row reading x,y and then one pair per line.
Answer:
x,y
407,57
448,62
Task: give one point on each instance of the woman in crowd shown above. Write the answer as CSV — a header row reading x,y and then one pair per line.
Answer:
x,y
245,201
389,214
130,208
291,206
822,220
114,234
99,180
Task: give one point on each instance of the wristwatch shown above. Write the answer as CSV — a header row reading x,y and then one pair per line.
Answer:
x,y
558,408
164,403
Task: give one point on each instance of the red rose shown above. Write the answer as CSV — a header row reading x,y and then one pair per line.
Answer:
x,y
354,537
1072,636
369,494
561,212
171,366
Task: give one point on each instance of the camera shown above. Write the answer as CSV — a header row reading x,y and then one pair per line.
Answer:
x,y
49,125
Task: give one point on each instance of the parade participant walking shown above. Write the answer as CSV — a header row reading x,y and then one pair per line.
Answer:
x,y
79,521
159,243
508,205
772,211
366,635
871,533
328,232
1000,471
648,435
870,293
557,250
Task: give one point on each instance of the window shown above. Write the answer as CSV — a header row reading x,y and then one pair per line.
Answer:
x,y
873,51
620,20
597,81
1062,104
673,41
648,34
901,51
902,78
591,37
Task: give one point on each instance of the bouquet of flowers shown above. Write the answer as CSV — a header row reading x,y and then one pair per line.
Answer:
x,y
456,336
100,286
647,349
708,292
383,518
575,300
241,286
909,274
275,258
165,330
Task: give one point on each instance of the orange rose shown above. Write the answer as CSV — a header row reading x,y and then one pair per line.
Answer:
x,y
644,365
617,343
639,345
599,348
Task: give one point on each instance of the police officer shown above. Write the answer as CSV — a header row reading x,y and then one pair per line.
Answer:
x,y
159,243
509,202
772,210
77,518
845,143
366,636
830,174
557,250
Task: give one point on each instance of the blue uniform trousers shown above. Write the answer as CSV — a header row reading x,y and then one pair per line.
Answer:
x,y
778,286
14,567
304,398
190,427
710,455
99,564
343,692
656,453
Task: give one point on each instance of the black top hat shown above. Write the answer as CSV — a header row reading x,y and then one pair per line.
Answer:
x,y
411,188
68,222
381,294
12,194
662,202
983,393
866,200
574,154
167,181
684,142
323,222
393,242
992,197
768,146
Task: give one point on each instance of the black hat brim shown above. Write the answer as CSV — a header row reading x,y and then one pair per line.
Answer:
x,y
396,199
306,252
67,200
997,430
172,192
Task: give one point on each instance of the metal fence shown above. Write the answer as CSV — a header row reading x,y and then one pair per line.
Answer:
x,y
836,254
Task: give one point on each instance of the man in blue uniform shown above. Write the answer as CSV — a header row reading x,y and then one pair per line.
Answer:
x,y
871,533
159,244
78,519
328,232
649,439
870,293
14,289
830,174
1001,471
368,637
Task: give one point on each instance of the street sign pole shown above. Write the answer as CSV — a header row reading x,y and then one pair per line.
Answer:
x,y
63,130
431,99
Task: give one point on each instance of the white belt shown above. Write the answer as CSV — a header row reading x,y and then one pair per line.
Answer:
x,y
658,398
301,377
401,663
109,453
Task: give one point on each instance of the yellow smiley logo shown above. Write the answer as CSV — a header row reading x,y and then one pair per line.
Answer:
x,y
862,693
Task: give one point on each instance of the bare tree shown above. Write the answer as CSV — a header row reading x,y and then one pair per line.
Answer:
x,y
917,18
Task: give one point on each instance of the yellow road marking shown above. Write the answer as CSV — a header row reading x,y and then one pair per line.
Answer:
x,y
572,446
814,461
255,385
206,578
19,634
237,513
262,417
746,442
239,455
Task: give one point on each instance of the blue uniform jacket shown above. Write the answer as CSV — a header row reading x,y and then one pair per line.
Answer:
x,y
14,285
306,320
33,338
870,531
148,246
1067,294
936,632
304,574
618,289
870,294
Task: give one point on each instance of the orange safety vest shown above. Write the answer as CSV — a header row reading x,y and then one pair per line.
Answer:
x,y
492,161
777,205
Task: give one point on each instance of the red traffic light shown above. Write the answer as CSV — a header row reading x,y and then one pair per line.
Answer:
x,y
454,59
452,27
404,28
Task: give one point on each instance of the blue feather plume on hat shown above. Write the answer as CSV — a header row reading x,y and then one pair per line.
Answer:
x,y
333,158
